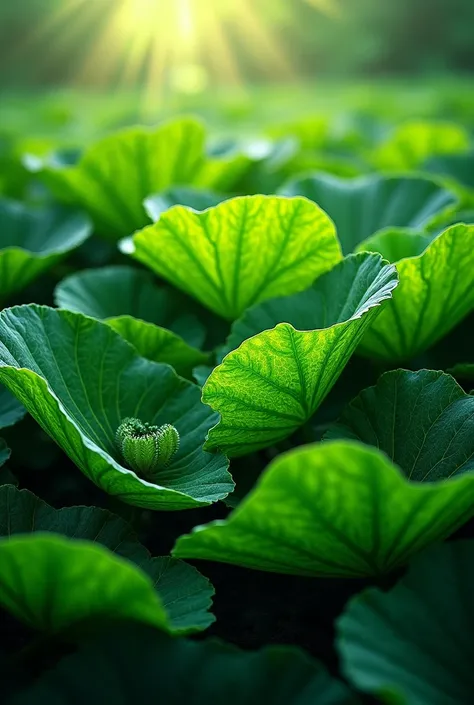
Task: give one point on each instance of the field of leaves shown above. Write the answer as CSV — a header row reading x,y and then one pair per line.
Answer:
x,y
237,430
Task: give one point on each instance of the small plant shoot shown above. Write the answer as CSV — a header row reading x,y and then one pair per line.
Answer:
x,y
146,448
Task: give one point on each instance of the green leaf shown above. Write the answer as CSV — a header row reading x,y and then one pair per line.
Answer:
x,y
422,420
396,243
11,411
243,251
335,509
110,292
361,207
57,585
459,167
416,640
413,142
186,595
198,199
32,240
115,175
277,378
434,294
139,665
5,452
79,379
463,371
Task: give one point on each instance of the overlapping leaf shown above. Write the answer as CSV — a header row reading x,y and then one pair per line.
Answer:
x,y
422,420
333,509
241,252
415,643
270,385
140,665
114,176
198,199
185,594
361,207
33,240
79,379
435,293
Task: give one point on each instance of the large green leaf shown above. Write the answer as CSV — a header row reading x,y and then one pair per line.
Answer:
x,y
55,585
185,594
422,420
138,665
333,509
11,411
32,240
198,199
243,251
397,243
79,379
279,375
413,142
434,294
110,292
360,207
416,642
114,176
459,167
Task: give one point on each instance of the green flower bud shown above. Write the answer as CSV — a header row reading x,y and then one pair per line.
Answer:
x,y
146,448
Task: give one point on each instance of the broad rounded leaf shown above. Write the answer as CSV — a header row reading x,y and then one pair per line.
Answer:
x,y
397,243
243,251
110,292
32,240
422,420
277,378
115,175
139,665
416,641
435,292
198,199
79,379
56,585
360,207
185,593
333,509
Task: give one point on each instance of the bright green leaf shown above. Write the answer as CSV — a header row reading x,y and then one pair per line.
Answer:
x,y
361,207
55,585
277,378
186,595
434,294
115,175
243,251
416,640
333,509
32,240
422,420
140,665
79,379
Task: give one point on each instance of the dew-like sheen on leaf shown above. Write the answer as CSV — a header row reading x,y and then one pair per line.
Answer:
x,y
422,420
185,593
241,252
335,509
270,385
360,207
79,379
435,293
416,642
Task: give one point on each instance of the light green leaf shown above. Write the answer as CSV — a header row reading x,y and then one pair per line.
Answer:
x,y
115,175
277,378
32,240
243,251
396,243
434,294
79,379
110,292
422,420
413,142
57,585
198,199
416,640
135,664
361,207
185,594
333,509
